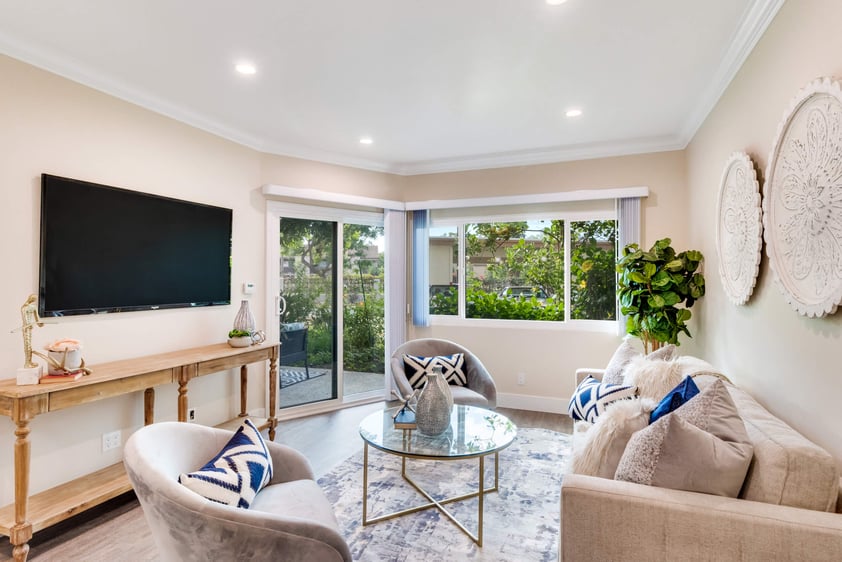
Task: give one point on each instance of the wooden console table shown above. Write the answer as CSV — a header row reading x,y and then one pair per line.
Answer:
x,y
28,515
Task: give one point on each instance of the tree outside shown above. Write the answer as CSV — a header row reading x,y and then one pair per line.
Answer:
x,y
529,256
309,255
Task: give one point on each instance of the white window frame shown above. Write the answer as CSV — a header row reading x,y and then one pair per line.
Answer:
x,y
459,222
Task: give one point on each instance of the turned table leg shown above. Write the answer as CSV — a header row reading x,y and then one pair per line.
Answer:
x,y
22,531
182,400
273,394
244,384
148,406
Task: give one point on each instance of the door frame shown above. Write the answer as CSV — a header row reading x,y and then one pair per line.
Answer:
x,y
275,210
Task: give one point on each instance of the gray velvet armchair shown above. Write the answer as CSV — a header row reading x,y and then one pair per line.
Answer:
x,y
480,389
290,519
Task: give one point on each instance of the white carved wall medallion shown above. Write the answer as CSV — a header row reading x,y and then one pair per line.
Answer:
x,y
739,229
802,201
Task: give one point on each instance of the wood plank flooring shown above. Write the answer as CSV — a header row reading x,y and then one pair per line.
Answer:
x,y
116,530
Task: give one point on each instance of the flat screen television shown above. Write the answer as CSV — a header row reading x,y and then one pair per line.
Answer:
x,y
106,249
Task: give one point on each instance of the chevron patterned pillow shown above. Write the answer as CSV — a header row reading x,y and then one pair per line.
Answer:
x,y
235,475
452,367
591,398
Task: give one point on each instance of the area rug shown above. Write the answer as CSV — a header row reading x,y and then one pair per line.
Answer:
x,y
521,520
293,375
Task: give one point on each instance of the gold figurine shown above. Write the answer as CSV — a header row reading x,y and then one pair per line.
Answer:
x,y
30,318
29,315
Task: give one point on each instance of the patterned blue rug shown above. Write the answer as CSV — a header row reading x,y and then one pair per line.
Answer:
x,y
294,375
521,519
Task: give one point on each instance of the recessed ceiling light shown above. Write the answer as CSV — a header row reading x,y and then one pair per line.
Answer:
x,y
366,140
573,113
555,2
246,68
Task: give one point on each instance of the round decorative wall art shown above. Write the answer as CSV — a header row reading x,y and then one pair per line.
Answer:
x,y
802,201
739,230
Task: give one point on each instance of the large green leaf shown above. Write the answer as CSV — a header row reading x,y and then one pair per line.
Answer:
x,y
657,301
675,265
671,298
637,277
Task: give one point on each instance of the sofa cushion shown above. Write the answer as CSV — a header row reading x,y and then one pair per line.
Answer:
x,y
452,368
674,399
623,355
700,447
598,448
653,377
787,469
592,397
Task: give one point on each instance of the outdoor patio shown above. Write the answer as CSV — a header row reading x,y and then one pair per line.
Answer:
x,y
297,389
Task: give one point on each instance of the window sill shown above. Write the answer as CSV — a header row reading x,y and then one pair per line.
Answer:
x,y
601,326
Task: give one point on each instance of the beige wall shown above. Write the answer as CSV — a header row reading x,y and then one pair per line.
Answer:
x,y
49,124
789,362
549,355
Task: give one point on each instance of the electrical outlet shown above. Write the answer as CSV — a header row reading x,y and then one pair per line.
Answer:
x,y
191,415
521,379
110,440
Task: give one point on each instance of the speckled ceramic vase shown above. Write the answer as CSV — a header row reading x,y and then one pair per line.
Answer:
x,y
245,319
432,414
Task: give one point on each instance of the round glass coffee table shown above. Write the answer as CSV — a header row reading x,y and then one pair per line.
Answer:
x,y
473,433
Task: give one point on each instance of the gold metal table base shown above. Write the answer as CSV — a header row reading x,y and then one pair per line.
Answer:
x,y
438,504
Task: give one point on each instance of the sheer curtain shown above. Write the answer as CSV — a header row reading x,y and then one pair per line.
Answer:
x,y
628,232
395,230
420,268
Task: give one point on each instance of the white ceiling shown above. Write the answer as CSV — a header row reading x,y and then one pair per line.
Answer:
x,y
437,84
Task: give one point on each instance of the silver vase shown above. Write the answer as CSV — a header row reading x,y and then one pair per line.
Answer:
x,y
245,319
432,414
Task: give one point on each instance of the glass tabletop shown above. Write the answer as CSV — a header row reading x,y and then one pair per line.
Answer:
x,y
473,432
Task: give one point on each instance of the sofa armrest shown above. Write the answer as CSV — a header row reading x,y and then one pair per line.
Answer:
x,y
605,519
583,373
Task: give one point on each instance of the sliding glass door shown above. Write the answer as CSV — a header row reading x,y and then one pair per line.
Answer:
x,y
319,259
308,320
363,312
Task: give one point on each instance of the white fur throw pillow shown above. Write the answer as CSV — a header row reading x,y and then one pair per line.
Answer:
x,y
654,378
598,450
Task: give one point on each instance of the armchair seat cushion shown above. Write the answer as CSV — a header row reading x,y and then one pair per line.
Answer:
x,y
300,498
466,396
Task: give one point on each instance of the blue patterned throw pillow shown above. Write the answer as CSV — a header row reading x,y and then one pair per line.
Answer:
x,y
452,367
685,390
235,475
591,398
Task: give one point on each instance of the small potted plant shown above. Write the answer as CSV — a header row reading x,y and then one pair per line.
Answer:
x,y
656,289
239,338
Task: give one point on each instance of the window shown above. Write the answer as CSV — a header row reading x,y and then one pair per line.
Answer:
x,y
542,269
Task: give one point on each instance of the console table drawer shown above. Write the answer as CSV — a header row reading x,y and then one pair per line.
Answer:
x,y
83,394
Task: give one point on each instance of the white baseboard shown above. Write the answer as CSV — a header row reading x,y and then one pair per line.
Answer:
x,y
533,403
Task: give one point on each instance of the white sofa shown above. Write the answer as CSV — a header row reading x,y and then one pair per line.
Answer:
x,y
790,506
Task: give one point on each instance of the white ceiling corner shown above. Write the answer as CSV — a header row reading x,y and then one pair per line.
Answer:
x,y
440,86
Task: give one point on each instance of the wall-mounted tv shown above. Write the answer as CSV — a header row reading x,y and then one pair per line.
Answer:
x,y
106,249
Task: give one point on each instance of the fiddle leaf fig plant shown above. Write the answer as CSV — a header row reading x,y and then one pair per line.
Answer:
x,y
656,289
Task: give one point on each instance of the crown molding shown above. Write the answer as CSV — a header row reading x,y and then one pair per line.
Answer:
x,y
76,71
540,156
756,19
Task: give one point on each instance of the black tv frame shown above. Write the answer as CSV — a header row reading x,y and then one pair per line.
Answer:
x,y
203,225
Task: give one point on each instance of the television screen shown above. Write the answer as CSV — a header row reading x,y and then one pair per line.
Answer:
x,y
105,249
